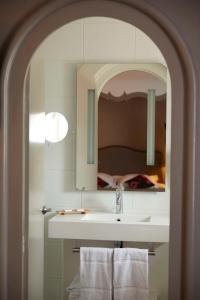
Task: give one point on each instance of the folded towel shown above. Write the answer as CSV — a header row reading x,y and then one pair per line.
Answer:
x,y
96,273
73,290
130,274
73,296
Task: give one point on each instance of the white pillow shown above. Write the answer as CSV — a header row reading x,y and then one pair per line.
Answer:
x,y
107,178
127,177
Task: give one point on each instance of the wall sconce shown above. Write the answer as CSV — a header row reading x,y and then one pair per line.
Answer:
x,y
151,102
56,127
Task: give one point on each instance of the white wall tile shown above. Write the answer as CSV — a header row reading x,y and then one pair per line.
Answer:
x,y
133,202
144,202
109,42
70,200
98,200
61,155
127,202
65,43
60,78
59,181
58,201
136,203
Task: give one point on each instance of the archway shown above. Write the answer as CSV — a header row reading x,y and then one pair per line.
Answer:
x,y
14,181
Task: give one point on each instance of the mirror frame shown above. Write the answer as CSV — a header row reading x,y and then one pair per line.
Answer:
x,y
95,76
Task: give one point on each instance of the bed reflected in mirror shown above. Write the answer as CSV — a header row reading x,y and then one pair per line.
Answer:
x,y
122,133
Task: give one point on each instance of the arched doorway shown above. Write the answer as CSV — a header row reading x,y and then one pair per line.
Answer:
x,y
14,120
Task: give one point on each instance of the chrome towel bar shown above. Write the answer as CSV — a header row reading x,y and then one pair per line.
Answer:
x,y
77,250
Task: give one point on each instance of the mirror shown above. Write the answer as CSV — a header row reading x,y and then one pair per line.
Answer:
x,y
122,132
121,127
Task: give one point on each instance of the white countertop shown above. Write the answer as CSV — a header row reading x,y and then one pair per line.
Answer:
x,y
110,226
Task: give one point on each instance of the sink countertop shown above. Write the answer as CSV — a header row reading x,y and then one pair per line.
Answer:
x,y
110,226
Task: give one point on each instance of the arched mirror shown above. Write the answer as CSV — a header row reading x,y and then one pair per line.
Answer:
x,y
125,126
122,127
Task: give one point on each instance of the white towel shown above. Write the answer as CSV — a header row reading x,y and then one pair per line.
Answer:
x,y
96,273
73,290
73,296
130,279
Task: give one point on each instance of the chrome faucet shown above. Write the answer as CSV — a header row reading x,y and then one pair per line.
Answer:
x,y
119,199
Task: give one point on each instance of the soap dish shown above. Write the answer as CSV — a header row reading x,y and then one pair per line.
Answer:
x,y
72,211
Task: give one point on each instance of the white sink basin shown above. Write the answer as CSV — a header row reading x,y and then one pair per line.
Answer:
x,y
109,217
110,226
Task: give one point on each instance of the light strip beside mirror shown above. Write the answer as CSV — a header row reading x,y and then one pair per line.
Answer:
x,y
151,101
91,127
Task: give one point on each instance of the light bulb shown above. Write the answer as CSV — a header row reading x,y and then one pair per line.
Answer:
x,y
56,127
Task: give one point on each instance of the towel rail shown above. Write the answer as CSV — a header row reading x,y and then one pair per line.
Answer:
x,y
77,250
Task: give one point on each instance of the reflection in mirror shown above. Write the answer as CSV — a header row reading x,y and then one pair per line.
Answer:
x,y
122,132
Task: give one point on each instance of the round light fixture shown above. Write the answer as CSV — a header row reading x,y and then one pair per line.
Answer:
x,y
56,127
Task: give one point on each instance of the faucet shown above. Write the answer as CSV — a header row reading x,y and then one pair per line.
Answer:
x,y
119,199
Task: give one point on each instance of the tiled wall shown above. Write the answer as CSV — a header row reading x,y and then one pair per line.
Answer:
x,y
103,40
94,40
60,157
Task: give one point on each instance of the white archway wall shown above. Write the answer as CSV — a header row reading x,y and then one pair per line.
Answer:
x,y
92,40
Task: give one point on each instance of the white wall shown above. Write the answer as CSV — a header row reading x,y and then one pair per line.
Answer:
x,y
102,40
94,40
36,180
84,41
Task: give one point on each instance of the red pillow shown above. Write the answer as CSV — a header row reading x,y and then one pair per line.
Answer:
x,y
101,183
139,182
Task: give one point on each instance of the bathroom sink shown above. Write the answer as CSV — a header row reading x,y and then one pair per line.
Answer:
x,y
109,217
110,226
